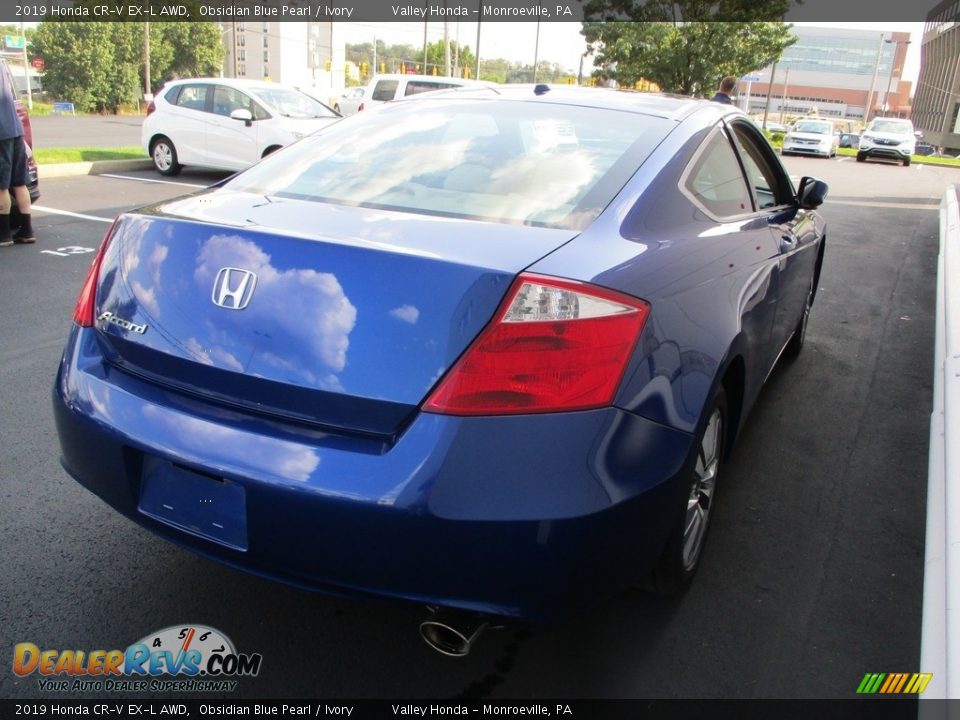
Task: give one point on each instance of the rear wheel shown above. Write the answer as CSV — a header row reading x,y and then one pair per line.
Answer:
x,y
861,157
795,345
681,556
164,156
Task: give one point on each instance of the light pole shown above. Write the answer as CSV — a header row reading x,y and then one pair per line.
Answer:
x,y
873,83
896,49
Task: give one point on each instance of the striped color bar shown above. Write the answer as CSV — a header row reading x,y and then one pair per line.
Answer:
x,y
894,683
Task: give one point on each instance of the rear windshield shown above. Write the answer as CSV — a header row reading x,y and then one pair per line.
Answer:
x,y
533,163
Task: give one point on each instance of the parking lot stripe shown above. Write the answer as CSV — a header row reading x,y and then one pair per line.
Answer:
x,y
51,211
151,180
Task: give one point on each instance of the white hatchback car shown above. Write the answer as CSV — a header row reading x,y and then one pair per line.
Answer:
x,y
225,123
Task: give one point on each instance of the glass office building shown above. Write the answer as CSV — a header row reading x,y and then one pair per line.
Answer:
x,y
839,73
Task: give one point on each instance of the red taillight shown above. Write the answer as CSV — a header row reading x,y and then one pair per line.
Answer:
x,y
151,107
554,345
83,311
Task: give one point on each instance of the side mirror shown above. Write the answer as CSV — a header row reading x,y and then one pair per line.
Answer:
x,y
812,193
243,114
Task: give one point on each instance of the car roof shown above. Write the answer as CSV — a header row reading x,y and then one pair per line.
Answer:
x,y
674,107
232,82
422,78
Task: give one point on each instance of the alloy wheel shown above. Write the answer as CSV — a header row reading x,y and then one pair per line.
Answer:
x,y
700,501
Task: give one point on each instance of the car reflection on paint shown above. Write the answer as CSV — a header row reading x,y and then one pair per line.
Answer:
x,y
488,350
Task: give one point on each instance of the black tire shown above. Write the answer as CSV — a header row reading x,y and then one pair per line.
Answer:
x,y
270,150
795,344
861,157
164,156
906,162
684,549
337,108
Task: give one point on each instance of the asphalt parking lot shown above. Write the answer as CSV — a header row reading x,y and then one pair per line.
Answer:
x,y
812,577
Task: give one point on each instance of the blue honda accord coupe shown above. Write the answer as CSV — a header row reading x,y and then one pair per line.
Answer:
x,y
486,351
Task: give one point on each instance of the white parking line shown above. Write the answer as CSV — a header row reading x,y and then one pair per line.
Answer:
x,y
152,180
51,211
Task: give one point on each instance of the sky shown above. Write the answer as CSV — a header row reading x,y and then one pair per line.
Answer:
x,y
561,42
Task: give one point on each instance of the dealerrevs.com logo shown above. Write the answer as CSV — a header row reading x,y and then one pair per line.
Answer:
x,y
199,658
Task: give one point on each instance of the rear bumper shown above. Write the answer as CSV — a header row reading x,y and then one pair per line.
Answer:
x,y
527,516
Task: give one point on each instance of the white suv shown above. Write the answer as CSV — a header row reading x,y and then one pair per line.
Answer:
x,y
226,123
889,138
384,88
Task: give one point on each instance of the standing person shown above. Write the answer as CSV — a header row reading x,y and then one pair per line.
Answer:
x,y
13,166
726,87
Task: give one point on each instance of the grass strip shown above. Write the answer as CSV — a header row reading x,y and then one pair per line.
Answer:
x,y
49,156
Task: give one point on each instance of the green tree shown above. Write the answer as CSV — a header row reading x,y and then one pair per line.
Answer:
x,y
689,58
76,57
184,49
436,58
98,66
687,10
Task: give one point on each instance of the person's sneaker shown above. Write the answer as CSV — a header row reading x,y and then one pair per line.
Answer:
x,y
23,238
6,242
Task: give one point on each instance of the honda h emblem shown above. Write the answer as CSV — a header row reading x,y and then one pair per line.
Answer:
x,y
233,288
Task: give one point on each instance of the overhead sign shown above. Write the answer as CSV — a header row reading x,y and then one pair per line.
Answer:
x,y
14,42
750,78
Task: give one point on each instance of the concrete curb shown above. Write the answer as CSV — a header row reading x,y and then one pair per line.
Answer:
x,y
56,170
940,625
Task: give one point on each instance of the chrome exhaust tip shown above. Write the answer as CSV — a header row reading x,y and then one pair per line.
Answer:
x,y
453,633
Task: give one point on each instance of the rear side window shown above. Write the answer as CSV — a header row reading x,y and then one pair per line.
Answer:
x,y
514,162
715,181
193,97
420,86
385,90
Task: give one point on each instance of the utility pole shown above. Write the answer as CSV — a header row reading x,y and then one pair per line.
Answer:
x,y
873,83
479,14
536,52
26,67
766,106
425,43
146,61
446,46
783,98
893,62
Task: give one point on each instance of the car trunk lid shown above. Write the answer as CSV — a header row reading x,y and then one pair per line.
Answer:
x,y
341,316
